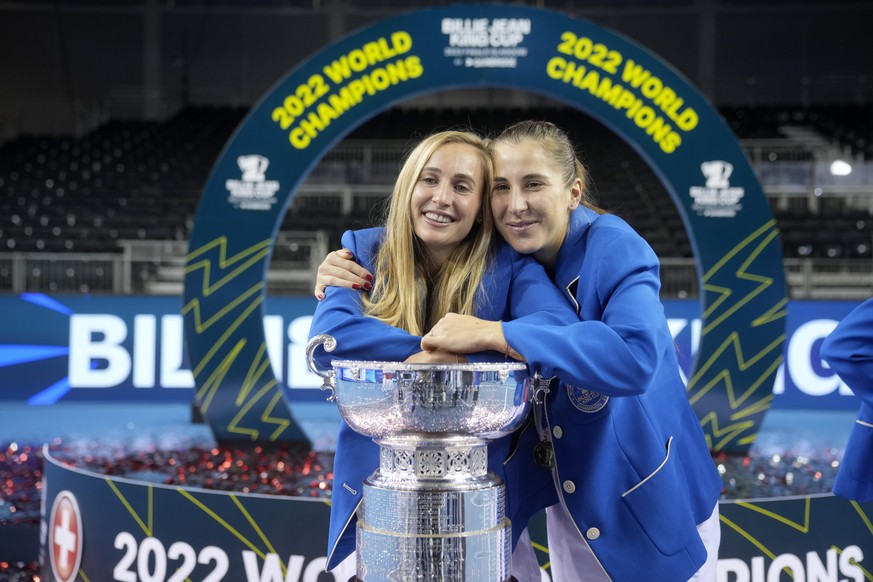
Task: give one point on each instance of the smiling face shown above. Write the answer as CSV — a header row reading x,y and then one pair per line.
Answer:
x,y
530,200
446,199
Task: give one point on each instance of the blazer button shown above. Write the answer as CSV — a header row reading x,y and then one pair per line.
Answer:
x,y
558,432
569,486
593,533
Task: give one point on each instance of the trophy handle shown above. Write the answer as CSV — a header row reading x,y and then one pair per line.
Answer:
x,y
327,377
540,388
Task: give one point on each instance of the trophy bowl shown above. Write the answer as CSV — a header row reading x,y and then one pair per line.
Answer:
x,y
382,399
379,399
431,510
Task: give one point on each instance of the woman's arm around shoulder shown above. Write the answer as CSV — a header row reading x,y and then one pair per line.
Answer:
x,y
619,345
517,287
533,296
341,315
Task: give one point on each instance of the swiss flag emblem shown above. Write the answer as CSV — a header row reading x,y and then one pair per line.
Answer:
x,y
65,537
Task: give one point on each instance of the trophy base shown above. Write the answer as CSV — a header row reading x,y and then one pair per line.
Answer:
x,y
433,512
470,556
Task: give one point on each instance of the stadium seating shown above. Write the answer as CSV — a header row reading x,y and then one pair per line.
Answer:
x,y
138,180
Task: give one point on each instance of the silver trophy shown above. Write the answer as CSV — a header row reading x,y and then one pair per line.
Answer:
x,y
431,511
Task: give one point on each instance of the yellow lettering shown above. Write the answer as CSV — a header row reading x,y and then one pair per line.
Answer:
x,y
326,114
338,70
659,129
632,111
666,99
590,82
643,117
343,101
626,100
368,85
555,68
670,143
397,72
348,96
386,51
299,139
381,80
663,97
688,120
402,42
652,86
621,98
358,60
574,73
312,124
608,92
371,53
414,67
357,88
634,74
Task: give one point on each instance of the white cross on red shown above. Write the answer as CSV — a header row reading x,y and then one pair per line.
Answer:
x,y
65,539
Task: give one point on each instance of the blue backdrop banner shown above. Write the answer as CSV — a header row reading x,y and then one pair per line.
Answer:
x,y
130,348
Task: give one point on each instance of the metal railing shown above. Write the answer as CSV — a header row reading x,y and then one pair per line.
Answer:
x,y
151,268
806,279
158,268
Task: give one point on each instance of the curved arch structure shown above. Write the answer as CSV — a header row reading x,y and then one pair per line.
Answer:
x,y
614,80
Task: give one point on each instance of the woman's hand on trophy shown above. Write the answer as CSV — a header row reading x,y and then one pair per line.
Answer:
x,y
465,334
339,269
436,357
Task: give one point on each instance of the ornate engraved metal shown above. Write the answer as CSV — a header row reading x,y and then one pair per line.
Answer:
x,y
438,458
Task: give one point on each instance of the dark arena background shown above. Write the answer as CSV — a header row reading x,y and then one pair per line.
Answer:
x,y
173,172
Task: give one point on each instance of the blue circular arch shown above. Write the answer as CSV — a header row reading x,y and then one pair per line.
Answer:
x,y
611,78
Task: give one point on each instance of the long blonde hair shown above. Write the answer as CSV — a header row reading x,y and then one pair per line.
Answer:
x,y
403,294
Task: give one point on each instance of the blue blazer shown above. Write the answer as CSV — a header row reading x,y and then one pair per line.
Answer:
x,y
849,352
513,287
632,463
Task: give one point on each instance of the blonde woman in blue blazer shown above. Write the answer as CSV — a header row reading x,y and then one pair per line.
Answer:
x,y
849,352
434,256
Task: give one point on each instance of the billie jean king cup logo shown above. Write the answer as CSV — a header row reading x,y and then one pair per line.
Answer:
x,y
253,191
717,199
717,173
253,167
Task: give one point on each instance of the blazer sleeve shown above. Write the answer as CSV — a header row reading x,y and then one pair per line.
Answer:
x,y
619,352
518,288
533,297
358,336
848,350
